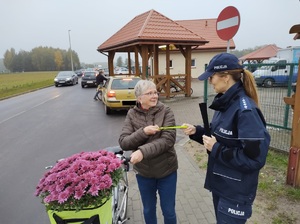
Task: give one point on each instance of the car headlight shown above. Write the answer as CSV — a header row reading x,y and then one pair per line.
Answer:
x,y
68,79
55,80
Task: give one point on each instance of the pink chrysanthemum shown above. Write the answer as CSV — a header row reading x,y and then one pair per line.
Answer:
x,y
75,179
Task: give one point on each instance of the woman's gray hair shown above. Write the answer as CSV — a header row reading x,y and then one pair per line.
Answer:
x,y
142,86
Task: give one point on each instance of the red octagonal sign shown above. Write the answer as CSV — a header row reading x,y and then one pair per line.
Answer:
x,y
228,23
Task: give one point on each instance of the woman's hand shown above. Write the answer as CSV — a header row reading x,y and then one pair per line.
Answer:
x,y
208,142
151,129
190,130
136,157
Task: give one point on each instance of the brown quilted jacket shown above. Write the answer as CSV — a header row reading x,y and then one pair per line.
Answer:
x,y
160,158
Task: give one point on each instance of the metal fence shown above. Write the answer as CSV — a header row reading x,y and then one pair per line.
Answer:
x,y
278,115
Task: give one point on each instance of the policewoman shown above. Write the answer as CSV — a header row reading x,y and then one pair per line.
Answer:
x,y
239,141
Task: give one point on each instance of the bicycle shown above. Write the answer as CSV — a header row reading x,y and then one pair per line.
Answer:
x,y
98,95
176,89
119,194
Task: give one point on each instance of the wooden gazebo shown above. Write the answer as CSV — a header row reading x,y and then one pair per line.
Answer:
x,y
146,36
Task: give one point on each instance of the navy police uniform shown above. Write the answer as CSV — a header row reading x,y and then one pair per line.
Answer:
x,y
239,153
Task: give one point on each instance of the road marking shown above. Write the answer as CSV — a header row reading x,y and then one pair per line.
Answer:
x,y
22,112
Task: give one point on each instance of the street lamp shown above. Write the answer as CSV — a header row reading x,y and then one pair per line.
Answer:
x,y
71,50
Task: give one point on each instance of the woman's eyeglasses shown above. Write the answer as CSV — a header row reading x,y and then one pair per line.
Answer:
x,y
151,94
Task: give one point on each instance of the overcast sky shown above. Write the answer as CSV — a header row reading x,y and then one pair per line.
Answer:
x,y
26,24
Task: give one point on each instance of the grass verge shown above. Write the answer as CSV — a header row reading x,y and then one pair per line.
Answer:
x,y
18,83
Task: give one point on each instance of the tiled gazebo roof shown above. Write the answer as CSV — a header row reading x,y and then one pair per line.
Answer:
x,y
149,28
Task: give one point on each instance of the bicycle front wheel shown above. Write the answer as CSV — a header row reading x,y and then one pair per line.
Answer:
x,y
121,200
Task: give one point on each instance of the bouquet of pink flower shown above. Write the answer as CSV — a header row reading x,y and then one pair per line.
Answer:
x,y
83,180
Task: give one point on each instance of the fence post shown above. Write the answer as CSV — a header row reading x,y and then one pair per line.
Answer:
x,y
293,172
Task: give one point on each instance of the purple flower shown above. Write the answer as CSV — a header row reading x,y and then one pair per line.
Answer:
x,y
62,197
79,193
79,177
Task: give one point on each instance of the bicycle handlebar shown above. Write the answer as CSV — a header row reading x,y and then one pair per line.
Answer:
x,y
120,154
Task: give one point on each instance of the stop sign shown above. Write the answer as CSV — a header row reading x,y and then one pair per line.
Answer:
x,y
228,23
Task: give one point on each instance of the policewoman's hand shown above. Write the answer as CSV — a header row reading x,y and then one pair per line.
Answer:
x,y
190,130
208,142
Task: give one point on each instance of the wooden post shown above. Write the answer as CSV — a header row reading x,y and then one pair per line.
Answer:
x,y
188,71
136,62
293,172
144,61
168,70
156,63
129,62
111,56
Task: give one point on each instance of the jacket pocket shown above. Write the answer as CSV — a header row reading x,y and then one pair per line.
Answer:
x,y
235,210
226,172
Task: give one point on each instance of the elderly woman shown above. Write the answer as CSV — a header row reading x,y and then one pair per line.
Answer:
x,y
153,156
239,140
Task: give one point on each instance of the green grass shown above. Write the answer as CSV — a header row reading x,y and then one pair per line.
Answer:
x,y
18,83
272,180
272,184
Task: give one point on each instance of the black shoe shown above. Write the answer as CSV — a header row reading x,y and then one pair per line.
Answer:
x,y
95,98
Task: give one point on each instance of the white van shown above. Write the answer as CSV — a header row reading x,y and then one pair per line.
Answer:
x,y
275,72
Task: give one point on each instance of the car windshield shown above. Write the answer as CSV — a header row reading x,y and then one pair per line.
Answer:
x,y
264,67
64,74
89,74
126,83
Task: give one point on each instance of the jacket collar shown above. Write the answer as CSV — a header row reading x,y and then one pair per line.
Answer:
x,y
223,101
159,106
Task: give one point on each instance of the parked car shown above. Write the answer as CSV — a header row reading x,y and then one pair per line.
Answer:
x,y
121,70
88,79
65,78
118,93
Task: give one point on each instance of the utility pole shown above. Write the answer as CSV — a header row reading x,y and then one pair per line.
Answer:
x,y
71,50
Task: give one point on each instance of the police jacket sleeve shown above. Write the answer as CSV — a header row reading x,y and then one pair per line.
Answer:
x,y
253,142
198,135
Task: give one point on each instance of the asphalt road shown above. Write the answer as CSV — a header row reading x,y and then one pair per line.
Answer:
x,y
38,128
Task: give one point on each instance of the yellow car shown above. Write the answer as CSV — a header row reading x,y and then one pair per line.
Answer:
x,y
118,93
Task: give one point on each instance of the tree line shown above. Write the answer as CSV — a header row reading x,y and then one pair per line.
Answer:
x,y
55,59
40,59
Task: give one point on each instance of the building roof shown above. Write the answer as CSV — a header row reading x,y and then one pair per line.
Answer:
x,y
207,29
152,27
263,53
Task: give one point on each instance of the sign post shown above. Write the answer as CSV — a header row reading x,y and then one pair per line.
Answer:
x,y
228,23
